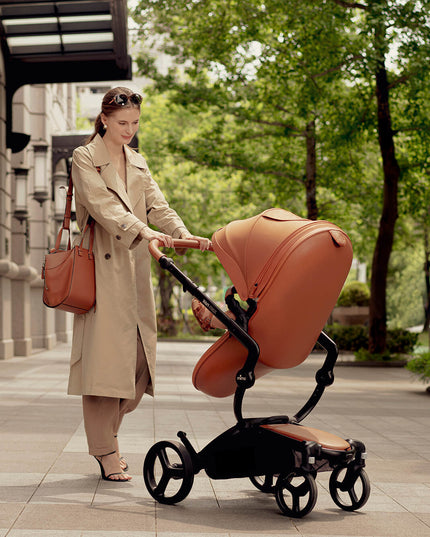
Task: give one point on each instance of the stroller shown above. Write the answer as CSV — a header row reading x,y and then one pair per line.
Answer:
x,y
289,272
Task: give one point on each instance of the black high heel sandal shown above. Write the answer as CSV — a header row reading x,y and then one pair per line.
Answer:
x,y
108,477
122,459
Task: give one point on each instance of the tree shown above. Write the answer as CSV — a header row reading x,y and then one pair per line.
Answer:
x,y
406,25
291,81
267,76
205,199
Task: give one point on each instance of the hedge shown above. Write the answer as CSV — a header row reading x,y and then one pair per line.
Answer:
x,y
353,338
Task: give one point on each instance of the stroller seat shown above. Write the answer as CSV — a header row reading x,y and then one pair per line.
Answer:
x,y
309,434
287,272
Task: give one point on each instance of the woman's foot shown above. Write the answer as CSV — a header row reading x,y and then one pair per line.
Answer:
x,y
122,461
110,468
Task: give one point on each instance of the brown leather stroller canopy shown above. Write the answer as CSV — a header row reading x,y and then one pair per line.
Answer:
x,y
295,269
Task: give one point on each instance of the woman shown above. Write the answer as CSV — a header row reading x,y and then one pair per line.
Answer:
x,y
113,349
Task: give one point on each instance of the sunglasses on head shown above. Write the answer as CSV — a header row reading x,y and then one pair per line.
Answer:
x,y
121,99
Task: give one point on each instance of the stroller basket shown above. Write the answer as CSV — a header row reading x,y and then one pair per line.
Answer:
x,y
289,271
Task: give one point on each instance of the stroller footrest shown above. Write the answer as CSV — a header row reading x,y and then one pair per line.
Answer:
x,y
309,434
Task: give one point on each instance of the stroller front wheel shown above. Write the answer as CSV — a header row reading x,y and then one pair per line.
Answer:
x,y
296,493
349,488
168,472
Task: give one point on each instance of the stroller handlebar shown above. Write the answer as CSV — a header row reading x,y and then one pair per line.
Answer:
x,y
155,244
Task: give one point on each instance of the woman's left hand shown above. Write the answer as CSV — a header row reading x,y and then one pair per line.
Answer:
x,y
204,243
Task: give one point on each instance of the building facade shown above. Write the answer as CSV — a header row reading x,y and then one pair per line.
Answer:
x,y
46,49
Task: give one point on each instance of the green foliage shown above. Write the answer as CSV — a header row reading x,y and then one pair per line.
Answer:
x,y
82,123
405,281
348,338
420,365
354,293
260,92
401,341
241,100
354,338
363,355
206,199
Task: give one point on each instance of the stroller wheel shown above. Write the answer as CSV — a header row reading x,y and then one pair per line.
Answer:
x,y
168,472
265,483
296,493
349,487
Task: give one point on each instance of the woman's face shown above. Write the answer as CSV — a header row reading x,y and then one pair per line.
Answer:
x,y
121,125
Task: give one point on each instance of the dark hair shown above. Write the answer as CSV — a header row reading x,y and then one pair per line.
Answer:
x,y
109,106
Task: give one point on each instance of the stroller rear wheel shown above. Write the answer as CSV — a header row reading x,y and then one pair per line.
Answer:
x,y
168,472
349,487
265,483
296,493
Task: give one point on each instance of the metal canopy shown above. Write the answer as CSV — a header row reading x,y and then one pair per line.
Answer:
x,y
61,41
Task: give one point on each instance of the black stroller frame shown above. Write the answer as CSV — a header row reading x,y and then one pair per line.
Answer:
x,y
275,463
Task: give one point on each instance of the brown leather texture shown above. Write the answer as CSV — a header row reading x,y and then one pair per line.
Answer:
x,y
70,280
309,434
295,269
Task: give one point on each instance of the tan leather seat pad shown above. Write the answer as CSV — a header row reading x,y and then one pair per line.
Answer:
x,y
302,433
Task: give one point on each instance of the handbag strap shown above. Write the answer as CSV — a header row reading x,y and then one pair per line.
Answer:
x,y
67,218
68,209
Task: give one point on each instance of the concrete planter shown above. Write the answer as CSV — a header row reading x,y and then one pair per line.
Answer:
x,y
351,315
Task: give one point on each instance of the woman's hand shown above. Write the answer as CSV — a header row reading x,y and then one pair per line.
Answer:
x,y
204,243
149,234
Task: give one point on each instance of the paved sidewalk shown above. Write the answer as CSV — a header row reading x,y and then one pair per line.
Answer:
x,y
50,487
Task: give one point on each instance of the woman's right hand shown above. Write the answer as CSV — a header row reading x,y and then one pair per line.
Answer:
x,y
149,234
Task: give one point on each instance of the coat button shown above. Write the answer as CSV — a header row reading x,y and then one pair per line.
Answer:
x,y
118,237
107,256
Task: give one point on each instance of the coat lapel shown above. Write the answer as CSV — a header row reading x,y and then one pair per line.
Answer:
x,y
101,159
136,164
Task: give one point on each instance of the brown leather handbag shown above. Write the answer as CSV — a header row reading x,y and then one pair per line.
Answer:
x,y
70,274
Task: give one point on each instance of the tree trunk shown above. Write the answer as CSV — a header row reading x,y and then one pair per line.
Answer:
x,y
166,323
427,279
384,242
311,171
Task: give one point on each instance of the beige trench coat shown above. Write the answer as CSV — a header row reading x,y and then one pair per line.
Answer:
x,y
103,358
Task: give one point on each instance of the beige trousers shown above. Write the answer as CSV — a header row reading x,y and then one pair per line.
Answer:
x,y
103,415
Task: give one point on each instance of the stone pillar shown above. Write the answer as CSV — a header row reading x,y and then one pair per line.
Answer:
x,y
7,268
21,310
43,319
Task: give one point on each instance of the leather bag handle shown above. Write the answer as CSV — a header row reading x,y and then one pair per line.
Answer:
x,y
67,218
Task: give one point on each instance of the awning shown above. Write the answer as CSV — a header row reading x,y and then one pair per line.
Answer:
x,y
62,41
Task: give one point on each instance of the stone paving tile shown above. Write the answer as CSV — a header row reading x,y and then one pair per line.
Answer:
x,y
195,518
291,531
51,487
64,489
118,534
9,512
18,487
44,533
361,524
85,518
415,499
187,534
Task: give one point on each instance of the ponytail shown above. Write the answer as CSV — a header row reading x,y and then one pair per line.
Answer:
x,y
98,129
